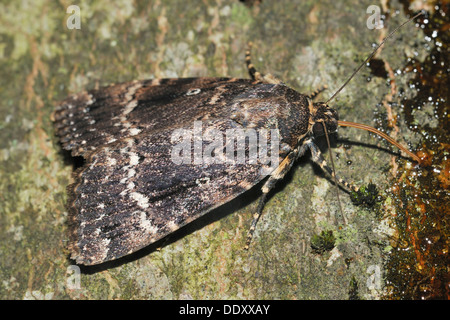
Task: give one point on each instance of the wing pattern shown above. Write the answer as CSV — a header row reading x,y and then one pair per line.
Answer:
x,y
130,193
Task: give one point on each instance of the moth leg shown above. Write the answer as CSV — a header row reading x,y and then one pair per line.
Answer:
x,y
320,161
278,174
313,95
255,220
254,74
281,171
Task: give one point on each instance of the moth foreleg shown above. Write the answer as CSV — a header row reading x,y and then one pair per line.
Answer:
x,y
320,161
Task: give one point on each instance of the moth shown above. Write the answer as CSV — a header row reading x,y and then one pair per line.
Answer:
x,y
134,189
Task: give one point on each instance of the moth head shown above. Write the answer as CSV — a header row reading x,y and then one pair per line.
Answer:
x,y
322,114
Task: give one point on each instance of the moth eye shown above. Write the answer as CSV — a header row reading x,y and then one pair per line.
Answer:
x,y
192,92
318,129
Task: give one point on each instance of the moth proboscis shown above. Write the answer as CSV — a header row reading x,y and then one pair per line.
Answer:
x,y
134,189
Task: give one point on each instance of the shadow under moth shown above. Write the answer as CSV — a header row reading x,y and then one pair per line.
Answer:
x,y
161,153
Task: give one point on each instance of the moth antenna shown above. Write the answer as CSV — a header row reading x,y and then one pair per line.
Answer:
x,y
334,171
371,55
381,134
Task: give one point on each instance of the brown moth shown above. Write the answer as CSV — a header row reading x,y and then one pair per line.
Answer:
x,y
155,158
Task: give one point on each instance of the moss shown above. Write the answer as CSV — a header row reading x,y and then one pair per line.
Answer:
x,y
323,242
367,196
